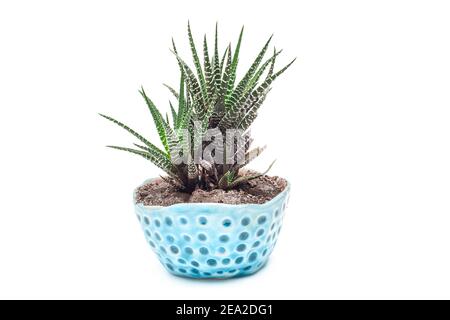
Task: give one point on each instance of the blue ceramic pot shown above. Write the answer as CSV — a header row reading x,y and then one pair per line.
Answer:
x,y
213,240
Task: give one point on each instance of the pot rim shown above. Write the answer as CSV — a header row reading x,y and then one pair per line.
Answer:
x,y
269,203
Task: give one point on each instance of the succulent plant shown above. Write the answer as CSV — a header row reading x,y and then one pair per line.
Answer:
x,y
210,104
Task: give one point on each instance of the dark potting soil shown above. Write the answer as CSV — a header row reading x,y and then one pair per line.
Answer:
x,y
257,191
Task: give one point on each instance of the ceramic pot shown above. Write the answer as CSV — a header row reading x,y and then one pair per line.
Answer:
x,y
213,240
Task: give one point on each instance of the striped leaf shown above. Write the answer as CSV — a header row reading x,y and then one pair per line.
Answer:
x,y
254,81
244,179
237,93
233,68
197,64
209,74
161,162
226,74
191,82
217,75
174,115
151,146
166,134
172,90
272,64
251,111
263,87
181,102
157,119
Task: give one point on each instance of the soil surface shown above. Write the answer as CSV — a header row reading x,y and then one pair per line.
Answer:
x,y
257,191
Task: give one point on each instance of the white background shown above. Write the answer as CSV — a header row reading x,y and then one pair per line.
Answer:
x,y
359,125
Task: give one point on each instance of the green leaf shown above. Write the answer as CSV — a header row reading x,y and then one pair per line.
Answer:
x,y
255,100
197,64
191,81
181,102
172,90
209,75
174,115
231,102
233,68
151,146
161,162
272,65
243,179
157,119
167,118
254,81
269,81
216,63
166,134
246,119
226,73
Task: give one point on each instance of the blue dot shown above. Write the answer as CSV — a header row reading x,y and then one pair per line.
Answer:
x,y
202,237
202,220
157,223
211,262
232,271
151,243
226,261
183,220
182,261
182,270
221,250
260,232
204,250
264,252
277,212
148,233
241,247
186,237
195,271
170,238
163,249
174,249
243,236
188,250
220,272
195,263
252,257
207,274
256,244
245,221
272,226
168,221
224,238
157,236
262,219
226,223
146,221
239,260
247,268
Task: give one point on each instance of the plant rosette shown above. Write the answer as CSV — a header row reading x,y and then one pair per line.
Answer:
x,y
213,240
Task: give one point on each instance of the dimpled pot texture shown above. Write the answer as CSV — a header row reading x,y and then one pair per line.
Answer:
x,y
213,240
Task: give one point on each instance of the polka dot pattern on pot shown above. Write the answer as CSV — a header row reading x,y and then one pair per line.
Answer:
x,y
201,240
